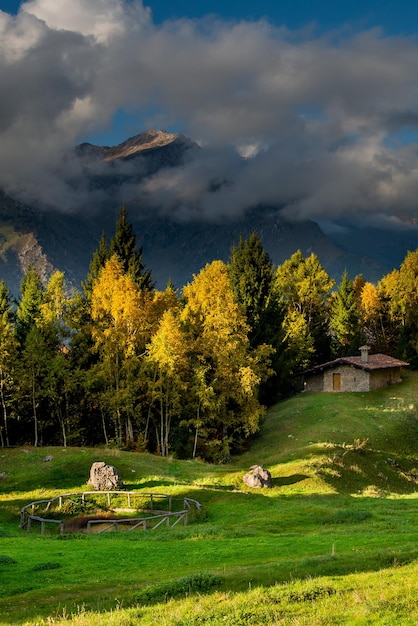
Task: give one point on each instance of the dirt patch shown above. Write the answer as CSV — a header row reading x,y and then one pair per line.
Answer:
x,y
79,524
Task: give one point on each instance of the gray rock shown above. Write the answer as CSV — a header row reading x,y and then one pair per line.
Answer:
x,y
3,475
105,477
258,477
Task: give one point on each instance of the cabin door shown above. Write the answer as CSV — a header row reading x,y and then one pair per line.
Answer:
x,y
336,382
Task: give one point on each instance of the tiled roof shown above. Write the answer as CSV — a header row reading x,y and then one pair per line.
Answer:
x,y
375,362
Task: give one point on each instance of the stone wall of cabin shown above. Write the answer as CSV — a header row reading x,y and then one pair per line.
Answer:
x,y
352,379
314,382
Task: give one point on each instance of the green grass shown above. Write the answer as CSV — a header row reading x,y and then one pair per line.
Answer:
x,y
333,542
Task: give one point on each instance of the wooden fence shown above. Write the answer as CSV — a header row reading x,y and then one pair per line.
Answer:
x,y
30,513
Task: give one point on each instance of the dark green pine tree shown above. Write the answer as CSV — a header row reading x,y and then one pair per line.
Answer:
x,y
99,258
7,315
345,321
123,244
29,306
251,274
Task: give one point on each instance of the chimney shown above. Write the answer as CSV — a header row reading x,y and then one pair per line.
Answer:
x,y
364,351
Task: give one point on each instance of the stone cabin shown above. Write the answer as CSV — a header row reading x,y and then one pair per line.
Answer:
x,y
354,373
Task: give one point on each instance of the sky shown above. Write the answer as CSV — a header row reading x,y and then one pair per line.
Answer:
x,y
320,97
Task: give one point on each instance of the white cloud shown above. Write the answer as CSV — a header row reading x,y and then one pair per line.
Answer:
x,y
102,19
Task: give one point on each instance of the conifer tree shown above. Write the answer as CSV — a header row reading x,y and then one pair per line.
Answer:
x,y
99,258
345,322
29,307
251,273
123,244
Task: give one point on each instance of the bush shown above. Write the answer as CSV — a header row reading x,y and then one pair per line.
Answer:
x,y
201,582
41,567
7,560
76,507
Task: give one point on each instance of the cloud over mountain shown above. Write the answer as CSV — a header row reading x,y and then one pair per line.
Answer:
x,y
329,121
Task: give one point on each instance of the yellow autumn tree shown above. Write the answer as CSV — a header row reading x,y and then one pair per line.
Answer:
x,y
230,372
168,354
304,288
120,330
373,317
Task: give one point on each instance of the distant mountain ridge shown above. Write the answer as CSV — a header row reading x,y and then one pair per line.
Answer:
x,y
172,249
130,147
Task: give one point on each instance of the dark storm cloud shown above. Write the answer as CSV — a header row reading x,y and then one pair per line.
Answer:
x,y
319,118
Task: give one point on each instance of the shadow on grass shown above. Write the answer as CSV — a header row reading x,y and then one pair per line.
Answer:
x,y
148,484
368,472
289,480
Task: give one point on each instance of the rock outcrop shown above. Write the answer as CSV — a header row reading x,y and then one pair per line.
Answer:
x,y
105,477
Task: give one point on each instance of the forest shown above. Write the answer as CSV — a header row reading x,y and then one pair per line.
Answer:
x,y
186,372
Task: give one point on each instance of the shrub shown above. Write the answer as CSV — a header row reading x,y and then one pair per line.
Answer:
x,y
41,567
76,507
7,560
201,582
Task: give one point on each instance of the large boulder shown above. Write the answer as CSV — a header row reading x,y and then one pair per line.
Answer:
x,y
105,477
258,477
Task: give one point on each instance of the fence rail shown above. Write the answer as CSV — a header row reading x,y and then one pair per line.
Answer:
x,y
28,514
144,523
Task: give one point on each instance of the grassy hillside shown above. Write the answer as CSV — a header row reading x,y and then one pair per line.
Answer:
x,y
333,542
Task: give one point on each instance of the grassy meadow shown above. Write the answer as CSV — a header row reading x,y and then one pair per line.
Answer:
x,y
335,541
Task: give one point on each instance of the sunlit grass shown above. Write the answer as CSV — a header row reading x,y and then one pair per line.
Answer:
x,y
341,515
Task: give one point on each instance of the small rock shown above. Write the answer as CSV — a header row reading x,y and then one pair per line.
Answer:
x,y
258,477
3,475
48,458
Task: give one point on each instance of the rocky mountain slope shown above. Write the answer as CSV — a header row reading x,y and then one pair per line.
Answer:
x,y
172,248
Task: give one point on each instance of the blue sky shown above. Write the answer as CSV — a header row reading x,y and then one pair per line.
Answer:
x,y
323,96
394,17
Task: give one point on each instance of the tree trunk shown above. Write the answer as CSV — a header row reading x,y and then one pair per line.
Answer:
x,y
35,416
197,430
129,430
150,405
4,407
162,439
62,424
104,425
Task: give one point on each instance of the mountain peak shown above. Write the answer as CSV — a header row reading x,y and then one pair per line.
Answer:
x,y
144,141
147,140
